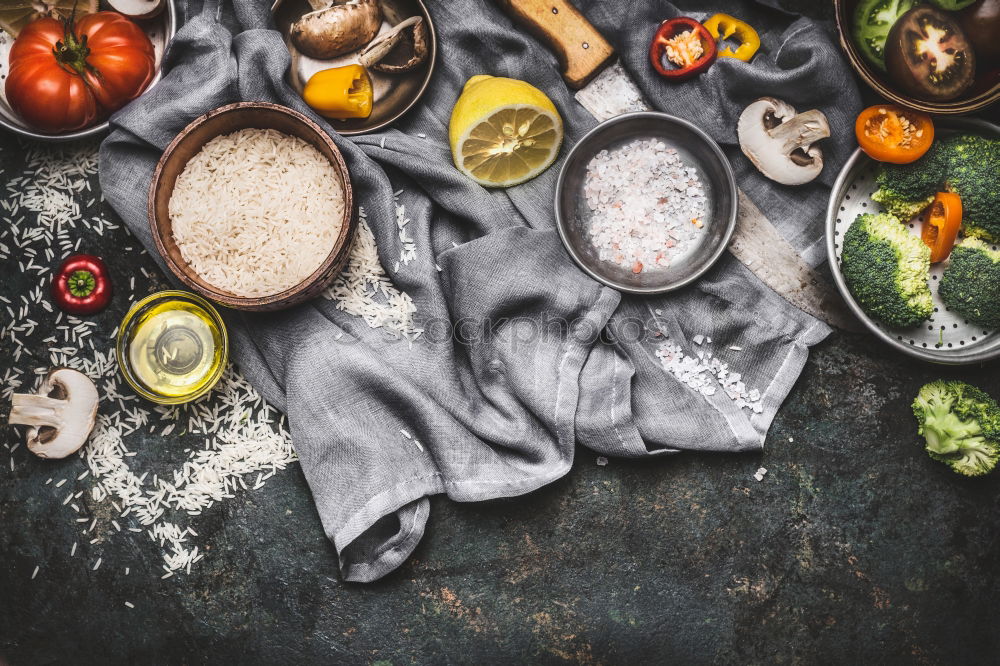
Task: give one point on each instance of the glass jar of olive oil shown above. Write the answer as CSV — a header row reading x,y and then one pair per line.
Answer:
x,y
172,347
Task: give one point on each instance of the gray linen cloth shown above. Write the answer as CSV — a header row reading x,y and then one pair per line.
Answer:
x,y
523,356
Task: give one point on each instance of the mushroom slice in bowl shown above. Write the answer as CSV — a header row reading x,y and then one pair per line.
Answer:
x,y
399,49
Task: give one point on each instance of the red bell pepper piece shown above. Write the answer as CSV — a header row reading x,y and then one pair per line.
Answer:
x,y
82,285
685,43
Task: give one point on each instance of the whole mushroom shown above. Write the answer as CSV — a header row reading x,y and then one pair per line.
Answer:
x,y
779,141
61,413
342,27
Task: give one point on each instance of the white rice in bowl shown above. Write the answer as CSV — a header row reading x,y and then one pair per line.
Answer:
x,y
256,212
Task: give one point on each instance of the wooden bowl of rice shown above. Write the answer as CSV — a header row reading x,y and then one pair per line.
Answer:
x,y
251,206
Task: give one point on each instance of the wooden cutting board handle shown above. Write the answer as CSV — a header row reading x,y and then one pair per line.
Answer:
x,y
581,50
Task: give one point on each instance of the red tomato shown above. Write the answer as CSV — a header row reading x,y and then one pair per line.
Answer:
x,y
64,78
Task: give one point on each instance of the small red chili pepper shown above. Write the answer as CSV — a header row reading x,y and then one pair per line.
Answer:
x,y
82,285
685,43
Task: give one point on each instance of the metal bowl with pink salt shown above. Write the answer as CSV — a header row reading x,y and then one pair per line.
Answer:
x,y
646,203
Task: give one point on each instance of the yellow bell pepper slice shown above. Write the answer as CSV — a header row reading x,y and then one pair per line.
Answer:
x,y
724,26
340,92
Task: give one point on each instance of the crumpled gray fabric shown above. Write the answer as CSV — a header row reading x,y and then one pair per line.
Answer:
x,y
798,62
523,356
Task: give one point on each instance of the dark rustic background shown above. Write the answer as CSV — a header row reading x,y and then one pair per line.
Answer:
x,y
855,548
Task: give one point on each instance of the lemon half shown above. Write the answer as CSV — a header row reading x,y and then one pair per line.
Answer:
x,y
503,131
15,14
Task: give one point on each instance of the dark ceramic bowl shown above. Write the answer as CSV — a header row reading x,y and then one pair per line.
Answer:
x,y
984,92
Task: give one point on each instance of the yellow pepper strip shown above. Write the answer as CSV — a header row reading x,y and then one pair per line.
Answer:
x,y
340,92
726,26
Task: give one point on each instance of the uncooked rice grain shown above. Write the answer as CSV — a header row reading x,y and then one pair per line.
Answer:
x,y
257,211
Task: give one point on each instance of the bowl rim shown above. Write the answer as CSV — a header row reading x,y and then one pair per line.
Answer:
x,y
432,63
872,79
832,208
730,178
121,356
282,298
94,130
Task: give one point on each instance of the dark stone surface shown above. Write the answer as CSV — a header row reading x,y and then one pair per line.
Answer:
x,y
855,548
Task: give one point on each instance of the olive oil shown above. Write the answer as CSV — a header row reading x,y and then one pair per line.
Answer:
x,y
172,347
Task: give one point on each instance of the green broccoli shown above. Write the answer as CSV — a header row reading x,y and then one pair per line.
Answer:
x,y
971,283
966,164
961,425
973,167
886,269
906,189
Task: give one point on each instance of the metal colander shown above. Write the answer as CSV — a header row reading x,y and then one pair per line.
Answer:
x,y
946,337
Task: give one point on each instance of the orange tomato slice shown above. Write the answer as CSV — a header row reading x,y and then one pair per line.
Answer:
x,y
942,220
890,133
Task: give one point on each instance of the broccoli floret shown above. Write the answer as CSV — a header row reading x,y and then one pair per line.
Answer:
x,y
971,283
886,269
961,426
973,165
906,189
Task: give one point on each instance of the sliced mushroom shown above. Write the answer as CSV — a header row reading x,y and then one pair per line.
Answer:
x,y
137,9
408,39
344,26
61,414
779,141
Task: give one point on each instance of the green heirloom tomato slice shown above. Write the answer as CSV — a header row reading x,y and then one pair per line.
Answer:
x,y
873,19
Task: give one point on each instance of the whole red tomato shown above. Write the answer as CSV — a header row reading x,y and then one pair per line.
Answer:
x,y
64,77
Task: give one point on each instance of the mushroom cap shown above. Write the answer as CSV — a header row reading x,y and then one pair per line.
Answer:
x,y
344,26
778,140
138,9
61,413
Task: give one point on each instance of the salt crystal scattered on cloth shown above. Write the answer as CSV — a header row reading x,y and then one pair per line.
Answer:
x,y
706,374
648,206
759,474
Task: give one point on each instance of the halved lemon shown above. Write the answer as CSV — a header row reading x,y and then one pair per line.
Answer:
x,y
503,131
15,14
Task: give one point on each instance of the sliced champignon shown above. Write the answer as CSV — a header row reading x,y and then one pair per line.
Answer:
x,y
779,141
61,414
137,9
405,42
342,27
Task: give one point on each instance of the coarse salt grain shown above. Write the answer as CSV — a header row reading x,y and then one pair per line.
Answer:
x,y
647,206
706,376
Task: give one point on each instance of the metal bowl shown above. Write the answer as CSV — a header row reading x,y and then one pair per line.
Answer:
x,y
225,120
395,94
160,29
696,149
946,337
984,92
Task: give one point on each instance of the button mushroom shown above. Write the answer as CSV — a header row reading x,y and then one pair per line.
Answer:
x,y
342,27
61,414
779,141
406,42
138,9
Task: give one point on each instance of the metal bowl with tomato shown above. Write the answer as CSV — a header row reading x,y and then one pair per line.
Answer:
x,y
940,57
88,106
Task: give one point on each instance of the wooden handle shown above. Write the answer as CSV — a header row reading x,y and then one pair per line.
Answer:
x,y
581,50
